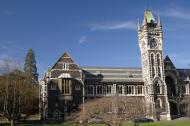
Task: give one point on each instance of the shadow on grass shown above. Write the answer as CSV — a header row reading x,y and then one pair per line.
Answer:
x,y
40,123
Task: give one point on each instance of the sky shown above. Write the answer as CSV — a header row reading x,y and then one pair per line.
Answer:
x,y
94,32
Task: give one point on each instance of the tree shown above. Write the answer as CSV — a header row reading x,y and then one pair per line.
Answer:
x,y
17,95
111,111
30,67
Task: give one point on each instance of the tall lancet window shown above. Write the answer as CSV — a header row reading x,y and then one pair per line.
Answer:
x,y
158,59
159,73
152,65
66,86
158,65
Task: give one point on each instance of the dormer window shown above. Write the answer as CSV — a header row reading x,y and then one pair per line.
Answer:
x,y
66,66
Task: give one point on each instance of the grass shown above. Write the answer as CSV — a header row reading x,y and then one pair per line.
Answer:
x,y
168,123
164,123
161,123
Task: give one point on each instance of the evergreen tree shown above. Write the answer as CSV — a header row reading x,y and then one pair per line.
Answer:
x,y
30,67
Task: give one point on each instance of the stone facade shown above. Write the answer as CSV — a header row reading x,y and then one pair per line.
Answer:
x,y
150,42
66,85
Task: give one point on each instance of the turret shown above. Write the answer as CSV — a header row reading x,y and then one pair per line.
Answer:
x,y
159,21
139,27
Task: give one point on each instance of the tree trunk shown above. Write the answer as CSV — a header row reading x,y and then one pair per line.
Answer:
x,y
12,122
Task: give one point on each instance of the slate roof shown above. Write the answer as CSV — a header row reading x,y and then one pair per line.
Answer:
x,y
183,74
113,74
122,74
168,63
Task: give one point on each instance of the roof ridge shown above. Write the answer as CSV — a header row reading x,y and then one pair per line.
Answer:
x,y
110,67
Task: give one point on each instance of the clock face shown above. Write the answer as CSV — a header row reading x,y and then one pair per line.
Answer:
x,y
153,43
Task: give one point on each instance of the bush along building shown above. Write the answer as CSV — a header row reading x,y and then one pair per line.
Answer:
x,y
67,85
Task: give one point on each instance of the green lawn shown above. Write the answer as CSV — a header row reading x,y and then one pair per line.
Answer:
x,y
165,123
161,123
169,123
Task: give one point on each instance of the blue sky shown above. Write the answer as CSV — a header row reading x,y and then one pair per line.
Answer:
x,y
94,32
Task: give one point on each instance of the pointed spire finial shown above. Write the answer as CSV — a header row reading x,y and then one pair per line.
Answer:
x,y
145,17
159,21
144,20
139,27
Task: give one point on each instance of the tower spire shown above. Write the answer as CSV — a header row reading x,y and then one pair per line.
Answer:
x,y
144,20
159,21
139,27
151,43
148,17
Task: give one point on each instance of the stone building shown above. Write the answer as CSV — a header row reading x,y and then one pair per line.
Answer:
x,y
66,85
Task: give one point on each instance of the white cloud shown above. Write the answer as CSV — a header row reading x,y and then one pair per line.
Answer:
x,y
180,13
82,39
113,26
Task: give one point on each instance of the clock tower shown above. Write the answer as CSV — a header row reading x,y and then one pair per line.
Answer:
x,y
150,37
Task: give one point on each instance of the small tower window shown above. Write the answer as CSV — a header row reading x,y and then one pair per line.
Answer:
x,y
66,66
157,88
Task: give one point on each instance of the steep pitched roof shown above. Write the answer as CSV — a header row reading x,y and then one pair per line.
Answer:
x,y
148,17
65,55
168,63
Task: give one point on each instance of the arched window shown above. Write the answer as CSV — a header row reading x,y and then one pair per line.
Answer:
x,y
158,64
158,59
159,72
152,65
152,59
156,88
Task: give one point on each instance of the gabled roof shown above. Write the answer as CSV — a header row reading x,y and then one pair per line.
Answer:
x,y
168,63
65,55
